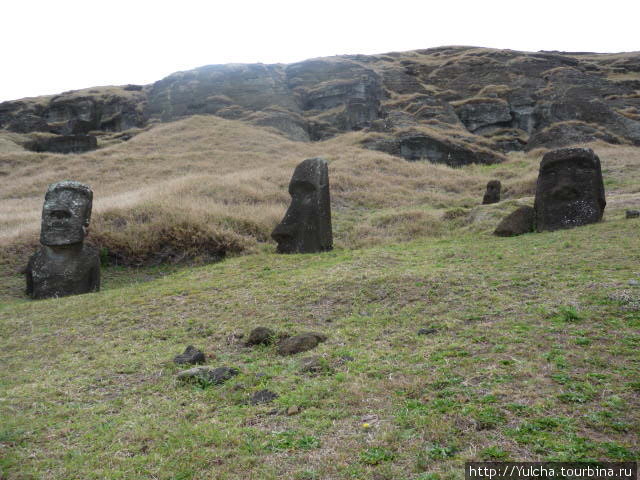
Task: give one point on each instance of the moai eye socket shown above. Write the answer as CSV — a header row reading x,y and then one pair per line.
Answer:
x,y
60,214
302,189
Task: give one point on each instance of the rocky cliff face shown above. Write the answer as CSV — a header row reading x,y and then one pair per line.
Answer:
x,y
452,104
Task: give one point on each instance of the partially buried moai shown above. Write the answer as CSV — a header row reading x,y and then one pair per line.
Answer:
x,y
492,193
64,265
570,190
306,227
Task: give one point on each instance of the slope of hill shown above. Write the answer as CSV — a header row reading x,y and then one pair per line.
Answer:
x,y
531,344
530,353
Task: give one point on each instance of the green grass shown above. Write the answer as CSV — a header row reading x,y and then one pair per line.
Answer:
x,y
535,357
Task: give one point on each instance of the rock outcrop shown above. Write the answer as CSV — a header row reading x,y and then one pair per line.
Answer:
x,y
499,100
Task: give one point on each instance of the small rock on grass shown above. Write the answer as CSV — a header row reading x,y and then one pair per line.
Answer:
x,y
263,396
260,336
311,364
427,331
300,343
293,410
214,376
191,356
632,214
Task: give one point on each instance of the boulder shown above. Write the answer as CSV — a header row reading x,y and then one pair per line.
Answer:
x,y
517,222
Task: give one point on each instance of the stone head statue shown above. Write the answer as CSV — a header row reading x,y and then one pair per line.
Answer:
x,y
64,265
570,190
66,213
492,193
306,227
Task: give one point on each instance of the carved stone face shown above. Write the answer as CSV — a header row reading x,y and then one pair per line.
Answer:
x,y
570,190
492,194
306,227
66,213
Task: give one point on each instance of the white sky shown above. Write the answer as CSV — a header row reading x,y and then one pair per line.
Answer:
x,y
55,45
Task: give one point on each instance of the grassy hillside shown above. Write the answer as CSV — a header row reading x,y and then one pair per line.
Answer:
x,y
191,188
534,357
532,352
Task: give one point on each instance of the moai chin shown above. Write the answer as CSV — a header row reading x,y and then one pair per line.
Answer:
x,y
306,227
570,190
63,265
492,193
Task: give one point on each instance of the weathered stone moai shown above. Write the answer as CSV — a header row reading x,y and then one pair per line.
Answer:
x,y
306,227
64,265
570,190
492,193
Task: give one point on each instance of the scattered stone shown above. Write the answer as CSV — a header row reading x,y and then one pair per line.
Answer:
x,y
300,343
427,331
293,410
261,375
492,193
311,364
347,358
190,356
239,386
632,214
516,223
306,227
634,283
260,336
570,190
214,376
263,396
64,265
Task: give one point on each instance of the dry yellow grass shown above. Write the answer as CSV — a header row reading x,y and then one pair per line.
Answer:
x,y
205,183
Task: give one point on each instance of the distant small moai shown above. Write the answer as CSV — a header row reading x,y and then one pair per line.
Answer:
x,y
570,190
492,193
306,227
64,265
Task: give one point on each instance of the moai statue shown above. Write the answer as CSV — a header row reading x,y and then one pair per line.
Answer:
x,y
63,265
306,227
492,194
570,191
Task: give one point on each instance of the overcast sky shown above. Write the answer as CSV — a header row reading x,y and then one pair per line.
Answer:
x,y
52,46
